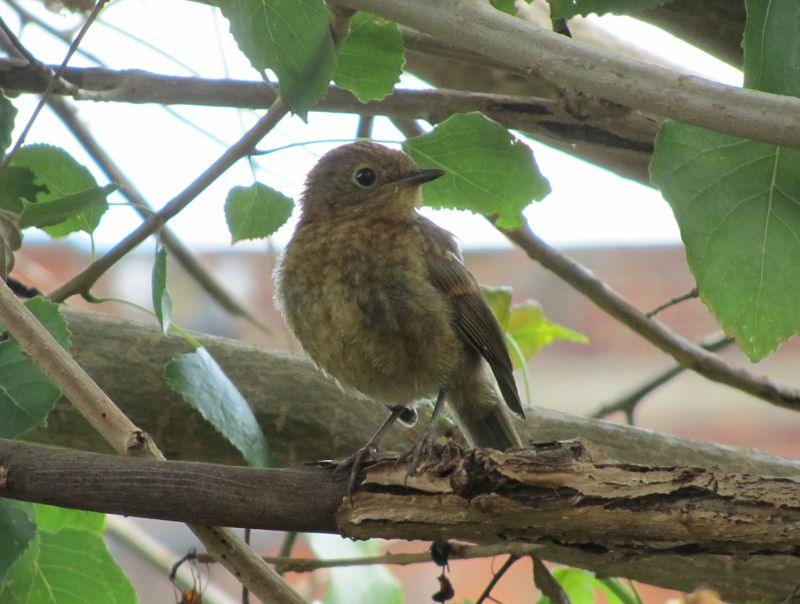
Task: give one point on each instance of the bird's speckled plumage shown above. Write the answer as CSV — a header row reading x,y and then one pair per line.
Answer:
x,y
380,299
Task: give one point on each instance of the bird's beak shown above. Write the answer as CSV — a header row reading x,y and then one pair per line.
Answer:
x,y
421,176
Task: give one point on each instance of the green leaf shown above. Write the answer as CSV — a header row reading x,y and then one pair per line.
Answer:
x,y
256,211
355,583
19,580
507,6
18,531
772,47
473,151
7,114
524,325
57,211
569,8
552,591
162,302
67,563
75,567
580,587
203,384
62,176
736,203
17,184
370,61
26,394
290,37
53,518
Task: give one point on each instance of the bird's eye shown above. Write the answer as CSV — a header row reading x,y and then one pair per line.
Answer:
x,y
365,177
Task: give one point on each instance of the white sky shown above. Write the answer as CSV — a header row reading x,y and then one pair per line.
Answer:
x,y
162,155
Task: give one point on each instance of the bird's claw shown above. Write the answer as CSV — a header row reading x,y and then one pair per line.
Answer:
x,y
354,464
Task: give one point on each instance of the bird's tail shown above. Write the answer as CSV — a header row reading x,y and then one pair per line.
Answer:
x,y
481,413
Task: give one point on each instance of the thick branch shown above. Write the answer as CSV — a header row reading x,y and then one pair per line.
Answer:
x,y
304,415
479,27
567,496
621,141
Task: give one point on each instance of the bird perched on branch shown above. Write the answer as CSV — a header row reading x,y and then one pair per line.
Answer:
x,y
380,299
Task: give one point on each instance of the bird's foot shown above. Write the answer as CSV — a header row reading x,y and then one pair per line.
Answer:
x,y
354,463
422,448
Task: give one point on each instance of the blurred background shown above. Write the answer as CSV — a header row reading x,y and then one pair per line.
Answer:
x,y
620,229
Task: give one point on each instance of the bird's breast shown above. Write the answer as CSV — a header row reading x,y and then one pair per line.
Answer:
x,y
360,301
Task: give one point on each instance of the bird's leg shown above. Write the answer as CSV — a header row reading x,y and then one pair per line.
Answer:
x,y
425,440
370,448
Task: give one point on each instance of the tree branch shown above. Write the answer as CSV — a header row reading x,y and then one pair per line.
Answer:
x,y
304,415
568,497
621,141
686,353
117,430
478,27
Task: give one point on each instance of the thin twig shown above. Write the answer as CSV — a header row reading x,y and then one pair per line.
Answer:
x,y
694,293
686,353
56,77
496,578
179,251
627,403
364,129
28,17
458,552
622,143
84,281
478,27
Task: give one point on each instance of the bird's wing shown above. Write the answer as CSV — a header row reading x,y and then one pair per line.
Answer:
x,y
474,319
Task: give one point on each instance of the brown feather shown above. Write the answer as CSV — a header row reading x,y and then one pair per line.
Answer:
x,y
474,319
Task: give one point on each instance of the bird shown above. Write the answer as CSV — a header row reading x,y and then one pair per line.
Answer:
x,y
380,299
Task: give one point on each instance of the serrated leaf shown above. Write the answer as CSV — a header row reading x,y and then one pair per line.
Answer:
x,y
355,583
18,583
569,8
57,211
18,184
487,170
736,203
62,176
7,114
524,325
18,532
203,384
75,567
772,47
26,394
371,59
290,37
53,518
256,211
162,302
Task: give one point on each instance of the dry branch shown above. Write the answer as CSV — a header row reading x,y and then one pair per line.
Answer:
x,y
581,506
621,140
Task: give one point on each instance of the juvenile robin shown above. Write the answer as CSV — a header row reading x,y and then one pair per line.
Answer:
x,y
380,299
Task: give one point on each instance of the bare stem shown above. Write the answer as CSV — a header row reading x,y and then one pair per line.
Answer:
x,y
686,353
83,281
